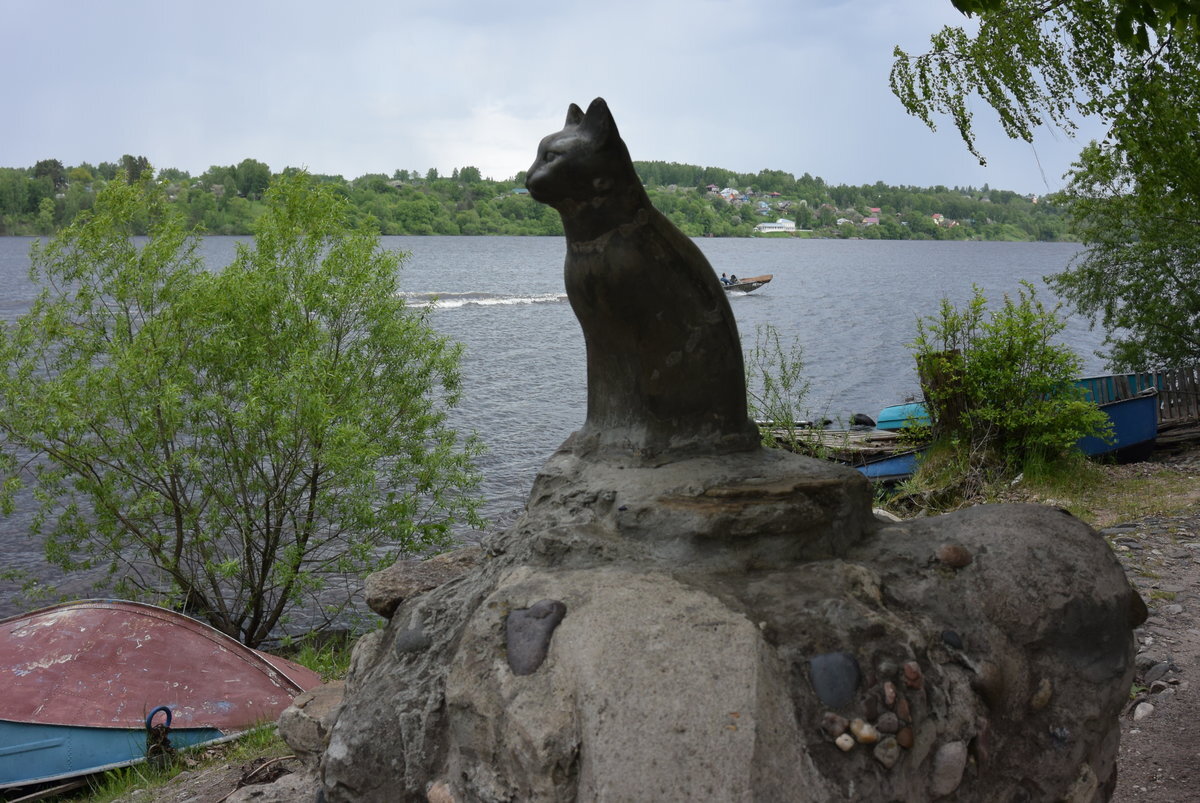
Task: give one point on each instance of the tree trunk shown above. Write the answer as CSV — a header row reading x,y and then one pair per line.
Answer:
x,y
941,375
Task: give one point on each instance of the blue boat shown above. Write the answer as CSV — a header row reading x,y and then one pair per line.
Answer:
x,y
883,456
1132,411
891,468
1134,423
901,416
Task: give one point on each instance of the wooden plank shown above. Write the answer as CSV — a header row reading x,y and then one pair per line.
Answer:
x,y
1175,400
54,791
1179,395
1156,381
1186,394
1178,405
853,447
1178,401
1166,398
1191,391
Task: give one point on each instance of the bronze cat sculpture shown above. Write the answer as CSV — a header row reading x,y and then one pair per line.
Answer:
x,y
664,361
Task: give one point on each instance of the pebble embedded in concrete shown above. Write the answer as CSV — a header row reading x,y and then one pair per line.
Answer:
x,y
956,556
948,765
913,677
439,792
528,633
887,752
411,640
864,732
835,677
834,725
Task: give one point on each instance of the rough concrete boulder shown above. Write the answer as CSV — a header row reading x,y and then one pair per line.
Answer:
x,y
682,701
984,651
306,723
386,589
305,727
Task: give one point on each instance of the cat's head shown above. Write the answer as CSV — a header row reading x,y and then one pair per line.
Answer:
x,y
586,159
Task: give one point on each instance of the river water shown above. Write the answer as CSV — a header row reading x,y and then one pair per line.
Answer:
x,y
852,304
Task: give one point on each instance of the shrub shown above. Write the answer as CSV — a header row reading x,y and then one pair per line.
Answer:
x,y
776,388
230,442
1000,391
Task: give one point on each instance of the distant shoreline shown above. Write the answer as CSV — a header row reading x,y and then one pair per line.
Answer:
x,y
695,237
700,201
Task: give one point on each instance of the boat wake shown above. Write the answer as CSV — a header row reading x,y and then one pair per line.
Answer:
x,y
479,299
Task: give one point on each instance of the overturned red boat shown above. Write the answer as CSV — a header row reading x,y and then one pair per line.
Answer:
x,y
79,682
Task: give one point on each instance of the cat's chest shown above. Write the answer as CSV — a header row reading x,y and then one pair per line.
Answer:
x,y
614,265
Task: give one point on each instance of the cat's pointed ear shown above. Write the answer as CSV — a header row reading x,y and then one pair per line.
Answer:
x,y
574,115
599,120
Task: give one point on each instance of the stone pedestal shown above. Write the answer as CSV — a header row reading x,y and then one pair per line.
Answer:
x,y
741,628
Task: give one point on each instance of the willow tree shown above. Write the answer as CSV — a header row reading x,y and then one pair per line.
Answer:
x,y
1134,196
230,441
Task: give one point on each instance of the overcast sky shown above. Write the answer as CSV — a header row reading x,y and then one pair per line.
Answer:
x,y
370,87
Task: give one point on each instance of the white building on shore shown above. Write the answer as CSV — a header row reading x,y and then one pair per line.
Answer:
x,y
781,226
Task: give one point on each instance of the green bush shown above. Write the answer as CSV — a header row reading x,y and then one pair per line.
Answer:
x,y
232,442
1000,391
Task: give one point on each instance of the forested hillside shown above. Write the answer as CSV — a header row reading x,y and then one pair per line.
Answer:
x,y
702,201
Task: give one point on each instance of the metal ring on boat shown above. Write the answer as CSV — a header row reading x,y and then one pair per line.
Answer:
x,y
150,718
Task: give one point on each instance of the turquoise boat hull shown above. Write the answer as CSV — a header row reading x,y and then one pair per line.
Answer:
x,y
32,753
899,416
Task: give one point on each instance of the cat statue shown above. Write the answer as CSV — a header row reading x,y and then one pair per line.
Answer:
x,y
664,362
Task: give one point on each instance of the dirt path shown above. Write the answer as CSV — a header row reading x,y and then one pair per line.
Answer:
x,y
1160,731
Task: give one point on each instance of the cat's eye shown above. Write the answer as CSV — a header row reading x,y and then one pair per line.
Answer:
x,y
550,156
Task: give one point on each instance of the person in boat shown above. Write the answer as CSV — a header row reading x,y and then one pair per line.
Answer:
x,y
724,279
733,279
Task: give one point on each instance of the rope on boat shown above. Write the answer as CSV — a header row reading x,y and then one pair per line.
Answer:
x,y
159,752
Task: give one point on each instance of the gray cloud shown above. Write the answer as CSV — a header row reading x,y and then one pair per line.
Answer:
x,y
375,86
